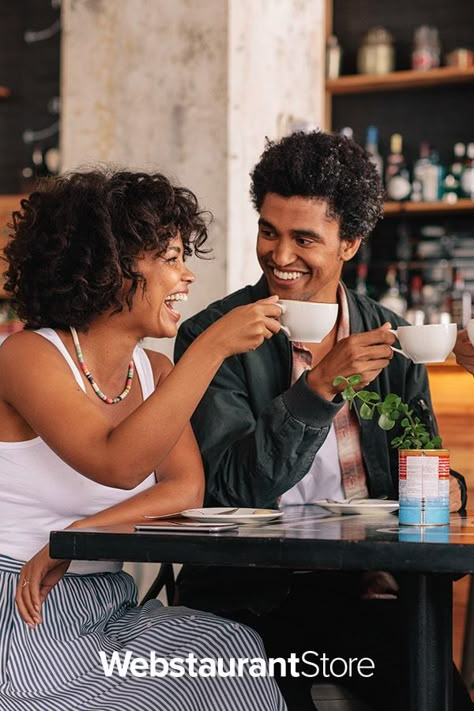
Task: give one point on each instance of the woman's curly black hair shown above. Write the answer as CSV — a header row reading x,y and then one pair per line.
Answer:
x,y
72,255
324,166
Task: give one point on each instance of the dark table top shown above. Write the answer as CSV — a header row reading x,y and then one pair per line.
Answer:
x,y
306,537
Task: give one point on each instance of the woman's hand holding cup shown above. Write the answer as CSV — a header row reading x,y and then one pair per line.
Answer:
x,y
246,327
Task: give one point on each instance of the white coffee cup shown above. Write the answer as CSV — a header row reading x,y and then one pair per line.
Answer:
x,y
307,321
431,343
470,330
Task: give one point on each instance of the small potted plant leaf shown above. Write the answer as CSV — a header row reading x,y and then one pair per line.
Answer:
x,y
423,466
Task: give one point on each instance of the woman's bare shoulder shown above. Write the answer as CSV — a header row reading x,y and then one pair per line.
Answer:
x,y
160,364
25,355
23,344
28,352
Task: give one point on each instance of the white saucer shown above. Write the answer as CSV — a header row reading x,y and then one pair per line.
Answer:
x,y
213,515
362,506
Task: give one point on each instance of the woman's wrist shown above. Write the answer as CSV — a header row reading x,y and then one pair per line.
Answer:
x,y
216,349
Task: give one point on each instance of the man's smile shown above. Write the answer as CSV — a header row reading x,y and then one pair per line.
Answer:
x,y
287,275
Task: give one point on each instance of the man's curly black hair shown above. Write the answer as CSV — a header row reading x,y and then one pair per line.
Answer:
x,y
72,255
326,167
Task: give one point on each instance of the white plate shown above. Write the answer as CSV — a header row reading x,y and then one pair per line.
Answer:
x,y
212,515
362,506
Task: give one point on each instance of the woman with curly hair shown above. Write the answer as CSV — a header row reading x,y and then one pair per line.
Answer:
x,y
95,431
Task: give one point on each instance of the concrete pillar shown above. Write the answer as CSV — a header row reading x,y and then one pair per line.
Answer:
x,y
191,88
276,69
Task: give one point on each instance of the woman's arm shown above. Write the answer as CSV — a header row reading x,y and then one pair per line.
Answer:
x,y
36,382
180,485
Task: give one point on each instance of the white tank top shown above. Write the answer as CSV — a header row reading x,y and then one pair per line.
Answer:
x,y
40,493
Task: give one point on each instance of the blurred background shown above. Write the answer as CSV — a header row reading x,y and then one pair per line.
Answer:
x,y
193,89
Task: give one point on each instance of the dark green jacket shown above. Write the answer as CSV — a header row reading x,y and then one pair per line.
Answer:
x,y
258,434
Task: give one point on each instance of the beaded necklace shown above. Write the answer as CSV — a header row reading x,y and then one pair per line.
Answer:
x,y
88,374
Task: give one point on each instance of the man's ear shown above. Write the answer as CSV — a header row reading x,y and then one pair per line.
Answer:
x,y
349,248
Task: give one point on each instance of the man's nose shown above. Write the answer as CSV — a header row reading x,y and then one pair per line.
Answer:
x,y
283,252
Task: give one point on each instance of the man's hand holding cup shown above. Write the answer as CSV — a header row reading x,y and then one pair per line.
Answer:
x,y
365,353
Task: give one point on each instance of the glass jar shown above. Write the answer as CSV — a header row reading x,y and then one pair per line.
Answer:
x,y
426,49
376,54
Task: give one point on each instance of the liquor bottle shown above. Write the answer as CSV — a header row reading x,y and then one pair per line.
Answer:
x,y
421,164
467,177
397,178
429,172
433,178
372,148
452,182
457,165
416,312
392,299
451,189
333,57
416,191
460,301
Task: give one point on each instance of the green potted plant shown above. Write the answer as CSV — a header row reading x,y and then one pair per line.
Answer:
x,y
423,466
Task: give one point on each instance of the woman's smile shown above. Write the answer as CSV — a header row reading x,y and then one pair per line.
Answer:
x,y
170,302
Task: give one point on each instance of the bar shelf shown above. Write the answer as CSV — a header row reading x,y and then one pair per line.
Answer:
x,y
400,80
426,208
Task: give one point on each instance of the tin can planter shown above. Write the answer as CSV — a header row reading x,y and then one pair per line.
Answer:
x,y
423,487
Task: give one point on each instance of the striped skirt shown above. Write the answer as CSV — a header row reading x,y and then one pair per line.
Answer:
x,y
90,621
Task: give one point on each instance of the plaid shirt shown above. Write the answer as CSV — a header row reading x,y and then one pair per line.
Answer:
x,y
354,477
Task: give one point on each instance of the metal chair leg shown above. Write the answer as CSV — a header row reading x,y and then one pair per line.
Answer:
x,y
170,584
164,579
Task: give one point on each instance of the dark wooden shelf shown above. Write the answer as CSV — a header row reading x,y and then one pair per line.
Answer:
x,y
396,81
425,208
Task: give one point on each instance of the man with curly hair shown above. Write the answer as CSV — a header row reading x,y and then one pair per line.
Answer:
x,y
273,428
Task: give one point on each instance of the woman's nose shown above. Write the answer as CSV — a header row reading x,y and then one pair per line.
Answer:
x,y
188,276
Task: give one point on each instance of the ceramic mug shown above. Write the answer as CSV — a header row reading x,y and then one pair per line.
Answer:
x,y
431,343
307,321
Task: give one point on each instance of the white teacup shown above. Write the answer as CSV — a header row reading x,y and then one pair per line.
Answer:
x,y
470,330
431,343
307,321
